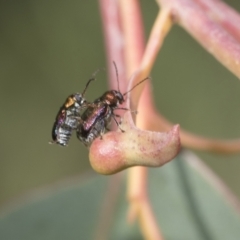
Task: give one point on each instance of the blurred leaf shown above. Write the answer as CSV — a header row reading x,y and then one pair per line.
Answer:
x,y
186,203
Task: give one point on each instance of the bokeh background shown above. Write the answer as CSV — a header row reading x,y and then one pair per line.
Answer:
x,y
50,48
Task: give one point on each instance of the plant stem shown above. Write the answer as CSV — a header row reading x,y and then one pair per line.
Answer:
x,y
207,30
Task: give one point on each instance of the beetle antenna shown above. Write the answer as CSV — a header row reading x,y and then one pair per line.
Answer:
x,y
116,74
90,80
84,91
136,85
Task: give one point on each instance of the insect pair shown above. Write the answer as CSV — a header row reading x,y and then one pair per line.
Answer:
x,y
89,119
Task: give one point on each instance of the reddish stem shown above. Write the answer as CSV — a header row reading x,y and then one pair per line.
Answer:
x,y
223,14
207,31
114,42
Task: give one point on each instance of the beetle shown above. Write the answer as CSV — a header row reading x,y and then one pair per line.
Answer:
x,y
68,116
95,119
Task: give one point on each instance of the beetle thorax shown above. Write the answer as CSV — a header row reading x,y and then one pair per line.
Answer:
x,y
113,98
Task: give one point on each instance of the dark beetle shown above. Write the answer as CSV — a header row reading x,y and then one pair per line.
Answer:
x,y
67,119
93,123
95,118
68,116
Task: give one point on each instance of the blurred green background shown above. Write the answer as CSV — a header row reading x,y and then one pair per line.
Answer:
x,y
50,48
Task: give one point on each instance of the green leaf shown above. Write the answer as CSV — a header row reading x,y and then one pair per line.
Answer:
x,y
188,201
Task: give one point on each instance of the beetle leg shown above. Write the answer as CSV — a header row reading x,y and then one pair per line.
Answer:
x,y
118,123
120,119
126,109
